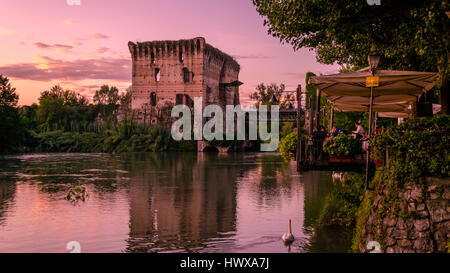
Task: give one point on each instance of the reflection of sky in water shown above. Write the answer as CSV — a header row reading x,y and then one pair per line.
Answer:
x,y
158,203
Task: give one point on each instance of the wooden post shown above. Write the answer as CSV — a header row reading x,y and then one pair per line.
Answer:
x,y
299,132
310,116
330,124
375,121
370,133
317,109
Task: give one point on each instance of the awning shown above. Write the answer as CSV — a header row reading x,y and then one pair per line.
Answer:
x,y
396,92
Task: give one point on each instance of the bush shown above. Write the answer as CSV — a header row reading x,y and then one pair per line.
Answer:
x,y
288,146
69,142
128,137
417,148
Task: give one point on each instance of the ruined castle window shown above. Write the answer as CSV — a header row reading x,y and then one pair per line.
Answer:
x,y
152,57
236,97
180,56
185,75
189,101
222,95
179,99
157,74
153,99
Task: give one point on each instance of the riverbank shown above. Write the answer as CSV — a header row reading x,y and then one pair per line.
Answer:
x,y
127,137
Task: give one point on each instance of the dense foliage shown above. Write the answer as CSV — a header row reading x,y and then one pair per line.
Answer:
x,y
409,35
12,131
64,121
342,144
272,94
417,148
122,139
342,204
288,146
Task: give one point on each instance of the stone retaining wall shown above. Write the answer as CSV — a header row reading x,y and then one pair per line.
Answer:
x,y
418,221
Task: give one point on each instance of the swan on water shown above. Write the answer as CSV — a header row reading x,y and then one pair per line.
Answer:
x,y
288,237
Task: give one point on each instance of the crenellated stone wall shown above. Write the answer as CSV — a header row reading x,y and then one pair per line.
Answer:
x,y
177,71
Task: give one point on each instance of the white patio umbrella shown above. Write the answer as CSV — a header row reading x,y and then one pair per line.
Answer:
x,y
396,92
388,92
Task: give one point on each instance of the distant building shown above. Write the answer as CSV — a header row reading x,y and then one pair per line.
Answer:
x,y
174,72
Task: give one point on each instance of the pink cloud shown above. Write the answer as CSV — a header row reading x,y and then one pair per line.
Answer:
x,y
251,57
54,69
69,22
101,49
57,47
98,36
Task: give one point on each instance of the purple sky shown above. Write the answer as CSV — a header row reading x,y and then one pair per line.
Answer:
x,y
82,47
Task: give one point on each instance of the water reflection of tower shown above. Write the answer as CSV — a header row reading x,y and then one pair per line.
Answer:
x,y
180,201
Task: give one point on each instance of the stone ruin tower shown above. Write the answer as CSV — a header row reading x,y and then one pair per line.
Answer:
x,y
174,72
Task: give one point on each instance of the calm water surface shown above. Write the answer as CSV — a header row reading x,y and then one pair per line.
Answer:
x,y
162,202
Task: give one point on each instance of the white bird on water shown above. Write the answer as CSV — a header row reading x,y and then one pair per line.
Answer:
x,y
288,237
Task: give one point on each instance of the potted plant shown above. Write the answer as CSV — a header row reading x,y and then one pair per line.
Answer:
x,y
341,148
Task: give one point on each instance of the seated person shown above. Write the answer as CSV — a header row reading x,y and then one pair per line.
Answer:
x,y
359,132
335,131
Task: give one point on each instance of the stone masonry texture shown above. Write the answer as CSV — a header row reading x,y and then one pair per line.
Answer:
x,y
174,72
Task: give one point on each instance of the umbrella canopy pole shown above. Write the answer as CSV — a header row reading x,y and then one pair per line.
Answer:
x,y
368,137
330,124
299,153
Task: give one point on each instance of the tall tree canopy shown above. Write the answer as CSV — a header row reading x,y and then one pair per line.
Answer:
x,y
107,95
408,34
11,130
60,109
8,96
272,94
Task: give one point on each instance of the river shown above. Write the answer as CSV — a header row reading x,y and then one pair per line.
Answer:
x,y
162,202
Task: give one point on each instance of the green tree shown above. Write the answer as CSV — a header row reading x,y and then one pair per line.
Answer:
x,y
107,95
409,35
8,96
12,131
272,94
107,99
125,98
63,109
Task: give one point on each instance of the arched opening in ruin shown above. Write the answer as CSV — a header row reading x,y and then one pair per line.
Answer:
x,y
188,101
181,56
157,74
236,97
153,99
185,75
179,99
152,57
210,149
222,87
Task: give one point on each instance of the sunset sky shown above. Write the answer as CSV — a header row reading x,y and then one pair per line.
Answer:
x,y
80,47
